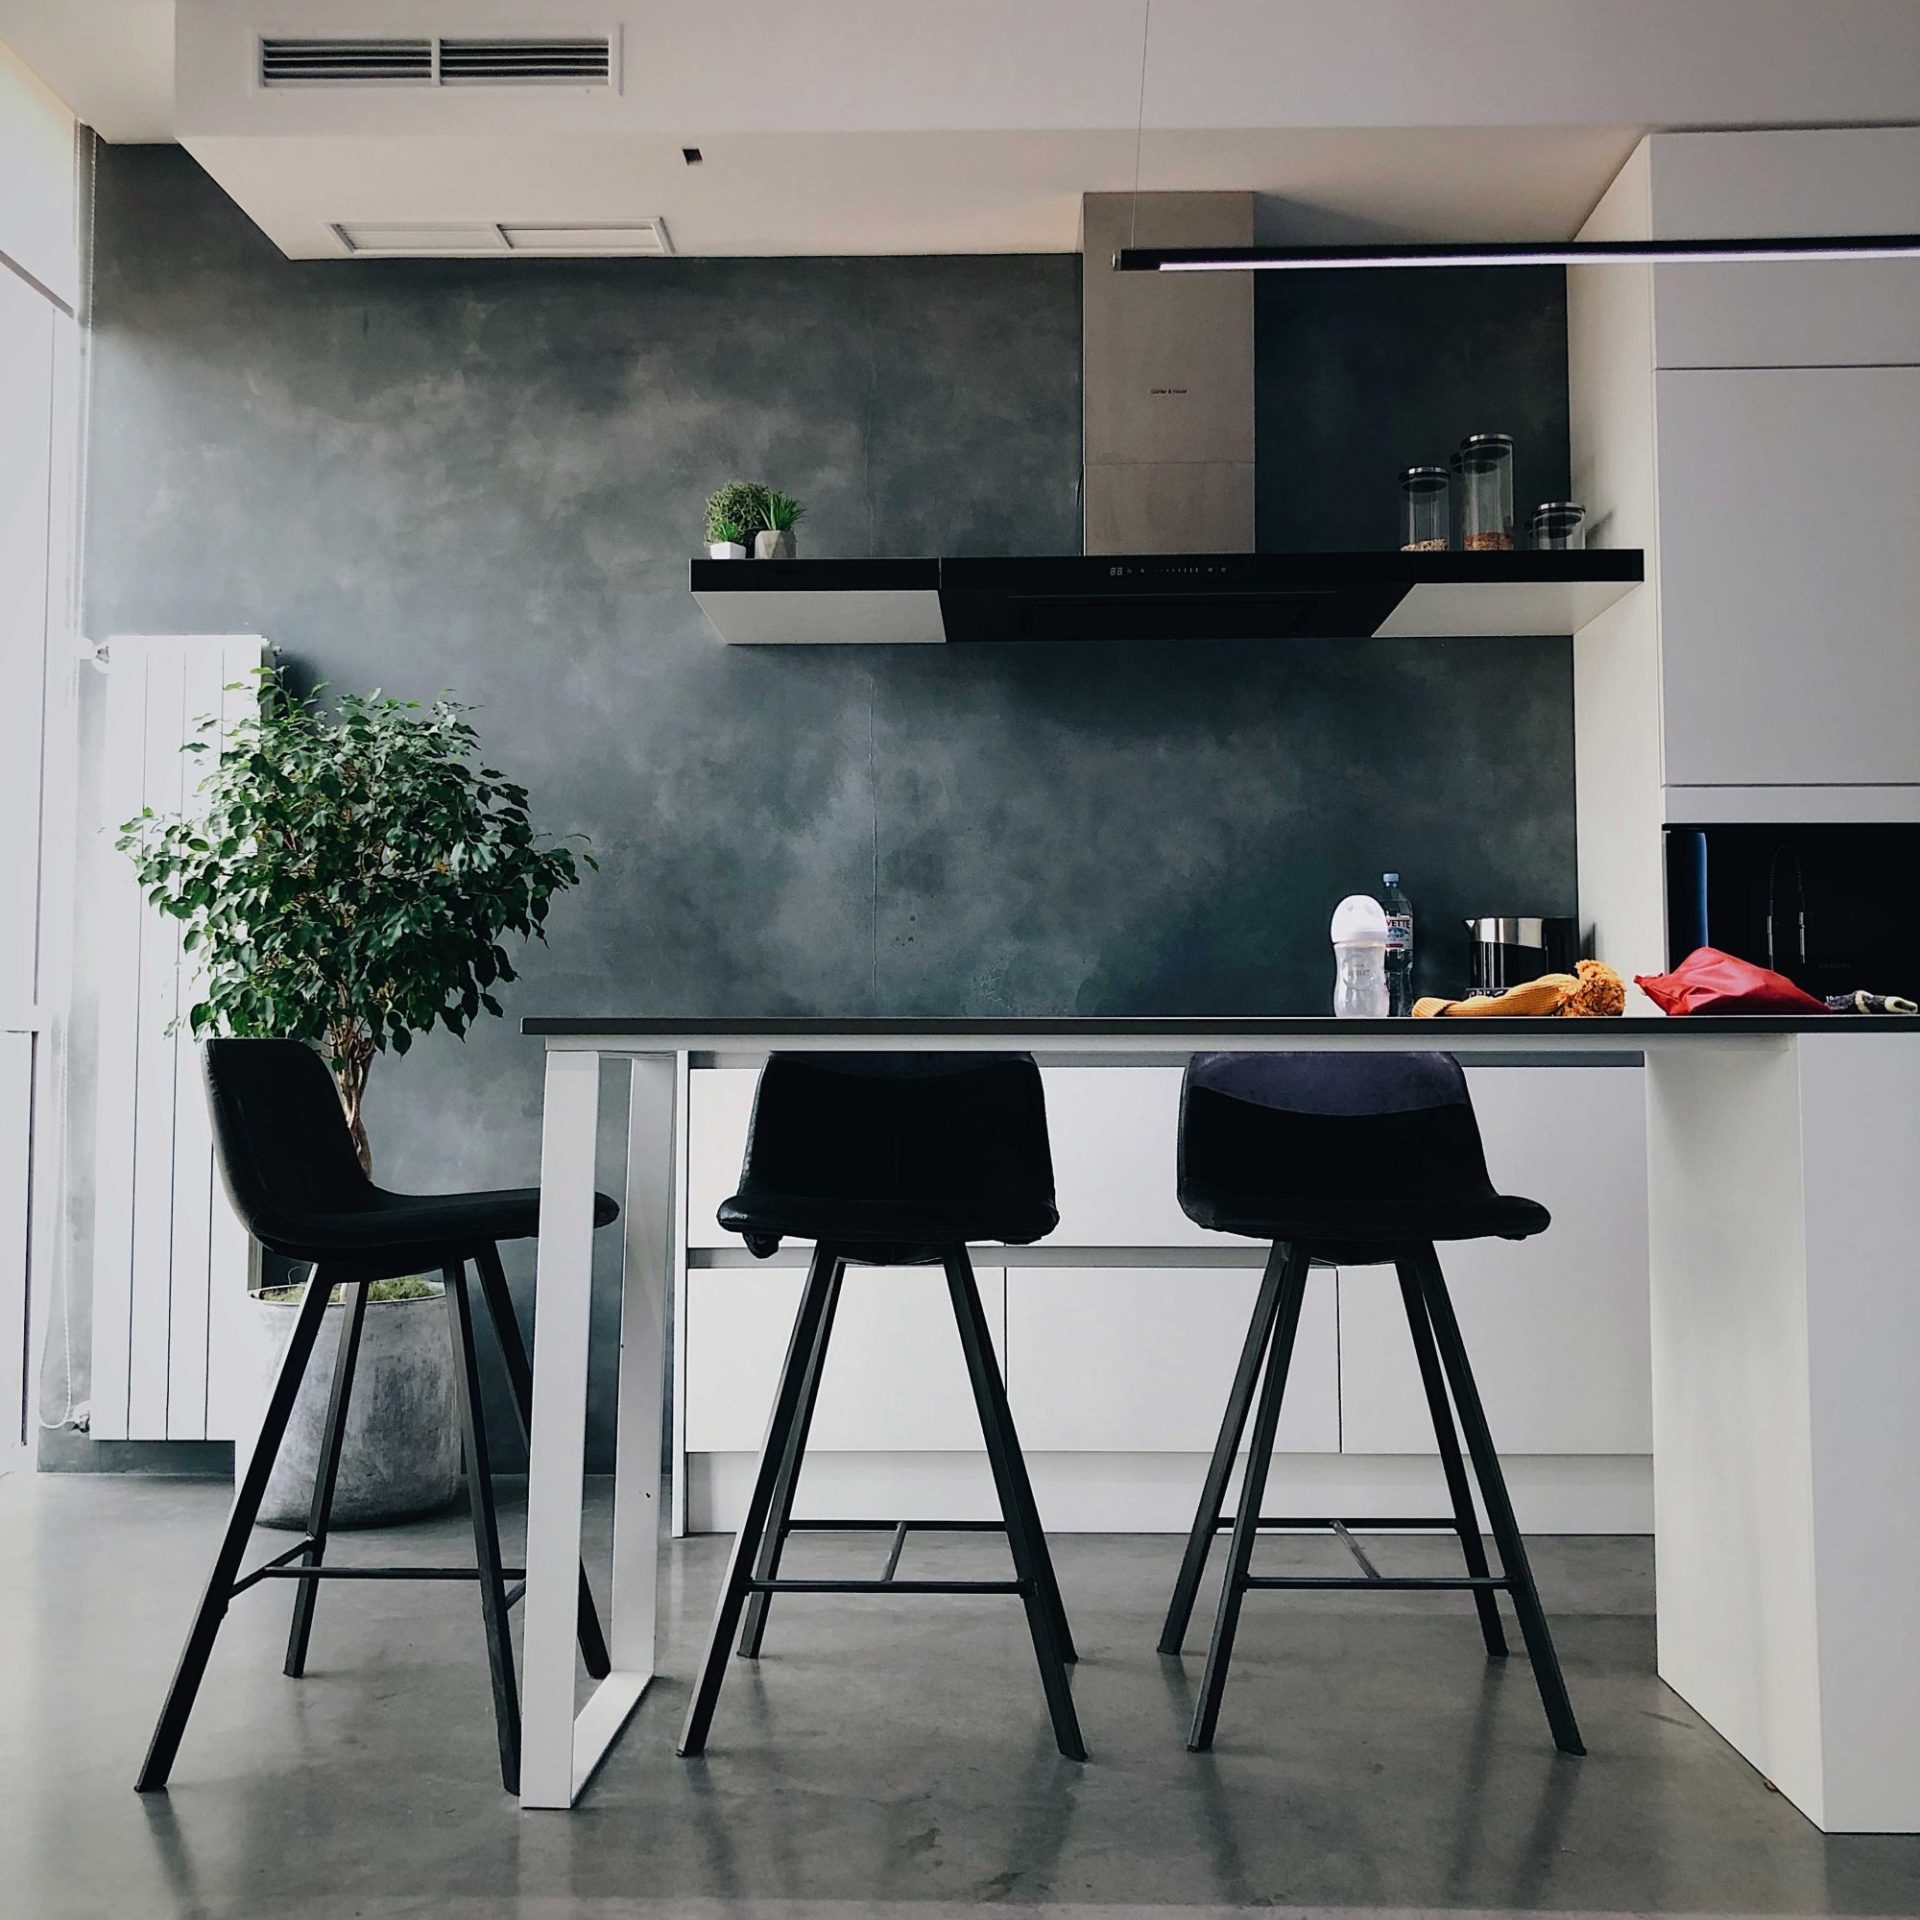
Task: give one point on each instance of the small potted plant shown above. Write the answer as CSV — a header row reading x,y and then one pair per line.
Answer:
x,y
775,540
347,878
735,514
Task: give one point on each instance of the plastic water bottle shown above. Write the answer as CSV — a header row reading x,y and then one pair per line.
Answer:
x,y
1399,948
1359,959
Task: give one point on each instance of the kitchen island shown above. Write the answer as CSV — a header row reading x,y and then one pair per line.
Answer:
x,y
1782,1215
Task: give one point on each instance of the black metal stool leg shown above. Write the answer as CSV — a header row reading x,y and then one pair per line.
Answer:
x,y
513,1350
780,1515
1043,1554
306,1593
1466,1521
1493,1489
1030,1564
486,1527
753,1523
1253,1487
1233,1423
250,1486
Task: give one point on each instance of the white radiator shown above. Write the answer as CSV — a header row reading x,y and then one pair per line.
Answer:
x,y
171,1264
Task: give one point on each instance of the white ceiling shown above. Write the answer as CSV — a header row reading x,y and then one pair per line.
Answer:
x,y
882,126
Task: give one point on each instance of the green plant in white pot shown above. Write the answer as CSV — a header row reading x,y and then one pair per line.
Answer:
x,y
347,876
736,514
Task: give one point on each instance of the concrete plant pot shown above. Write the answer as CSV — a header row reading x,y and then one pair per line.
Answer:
x,y
401,1456
769,544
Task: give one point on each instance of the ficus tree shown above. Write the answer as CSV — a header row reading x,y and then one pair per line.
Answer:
x,y
347,872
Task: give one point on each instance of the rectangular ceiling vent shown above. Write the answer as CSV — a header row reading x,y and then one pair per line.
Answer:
x,y
606,240
526,63
346,63
545,61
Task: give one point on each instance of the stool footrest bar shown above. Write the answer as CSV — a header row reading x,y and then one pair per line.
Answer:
x,y
1377,1583
1394,1523
277,1570
890,1526
886,1586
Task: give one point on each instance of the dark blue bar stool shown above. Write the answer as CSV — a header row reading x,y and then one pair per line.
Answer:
x,y
1349,1160
289,1167
890,1160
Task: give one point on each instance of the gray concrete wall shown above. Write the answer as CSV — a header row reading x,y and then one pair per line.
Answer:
x,y
488,477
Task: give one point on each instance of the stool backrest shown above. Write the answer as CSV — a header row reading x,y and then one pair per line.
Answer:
x,y
280,1137
948,1126
1329,1127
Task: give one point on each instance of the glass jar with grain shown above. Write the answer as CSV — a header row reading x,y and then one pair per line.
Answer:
x,y
1423,510
1484,466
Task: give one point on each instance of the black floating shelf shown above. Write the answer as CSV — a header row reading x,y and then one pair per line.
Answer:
x,y
1206,596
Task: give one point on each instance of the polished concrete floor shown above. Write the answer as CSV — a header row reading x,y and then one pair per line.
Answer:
x,y
884,1755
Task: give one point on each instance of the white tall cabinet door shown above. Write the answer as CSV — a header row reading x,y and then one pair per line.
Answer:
x,y
1139,1359
896,1379
1556,1326
1790,575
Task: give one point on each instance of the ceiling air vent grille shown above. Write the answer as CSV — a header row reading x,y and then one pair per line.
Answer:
x,y
346,63
526,63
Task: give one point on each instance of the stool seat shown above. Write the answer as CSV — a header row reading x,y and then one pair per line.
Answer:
x,y
1352,1157
403,1232
1330,1233
902,1232
895,1157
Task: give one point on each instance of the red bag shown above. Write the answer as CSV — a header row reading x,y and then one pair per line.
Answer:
x,y
1709,981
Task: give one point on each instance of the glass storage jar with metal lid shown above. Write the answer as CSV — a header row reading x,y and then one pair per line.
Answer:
x,y
1559,526
1423,510
1485,468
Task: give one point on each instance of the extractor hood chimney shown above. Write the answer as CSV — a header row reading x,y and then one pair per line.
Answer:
x,y
1167,379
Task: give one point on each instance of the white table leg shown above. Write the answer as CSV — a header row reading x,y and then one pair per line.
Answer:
x,y
652,1173
559,1749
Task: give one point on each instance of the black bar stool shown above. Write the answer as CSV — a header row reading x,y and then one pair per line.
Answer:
x,y
890,1160
289,1167
1349,1160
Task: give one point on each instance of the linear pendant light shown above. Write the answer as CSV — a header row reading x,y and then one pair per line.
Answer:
x,y
1506,253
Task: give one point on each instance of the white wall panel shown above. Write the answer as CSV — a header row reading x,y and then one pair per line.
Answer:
x,y
171,1265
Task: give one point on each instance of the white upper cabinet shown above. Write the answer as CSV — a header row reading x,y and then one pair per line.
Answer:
x,y
1847,180
1790,576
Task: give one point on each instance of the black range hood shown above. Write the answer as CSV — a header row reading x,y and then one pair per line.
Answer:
x,y
1224,596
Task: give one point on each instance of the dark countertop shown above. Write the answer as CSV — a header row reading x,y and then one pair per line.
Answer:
x,y
1447,1033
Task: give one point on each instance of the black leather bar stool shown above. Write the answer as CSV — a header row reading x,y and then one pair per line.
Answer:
x,y
289,1167
890,1160
1349,1160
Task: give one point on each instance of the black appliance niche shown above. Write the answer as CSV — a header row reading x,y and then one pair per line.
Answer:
x,y
1834,908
